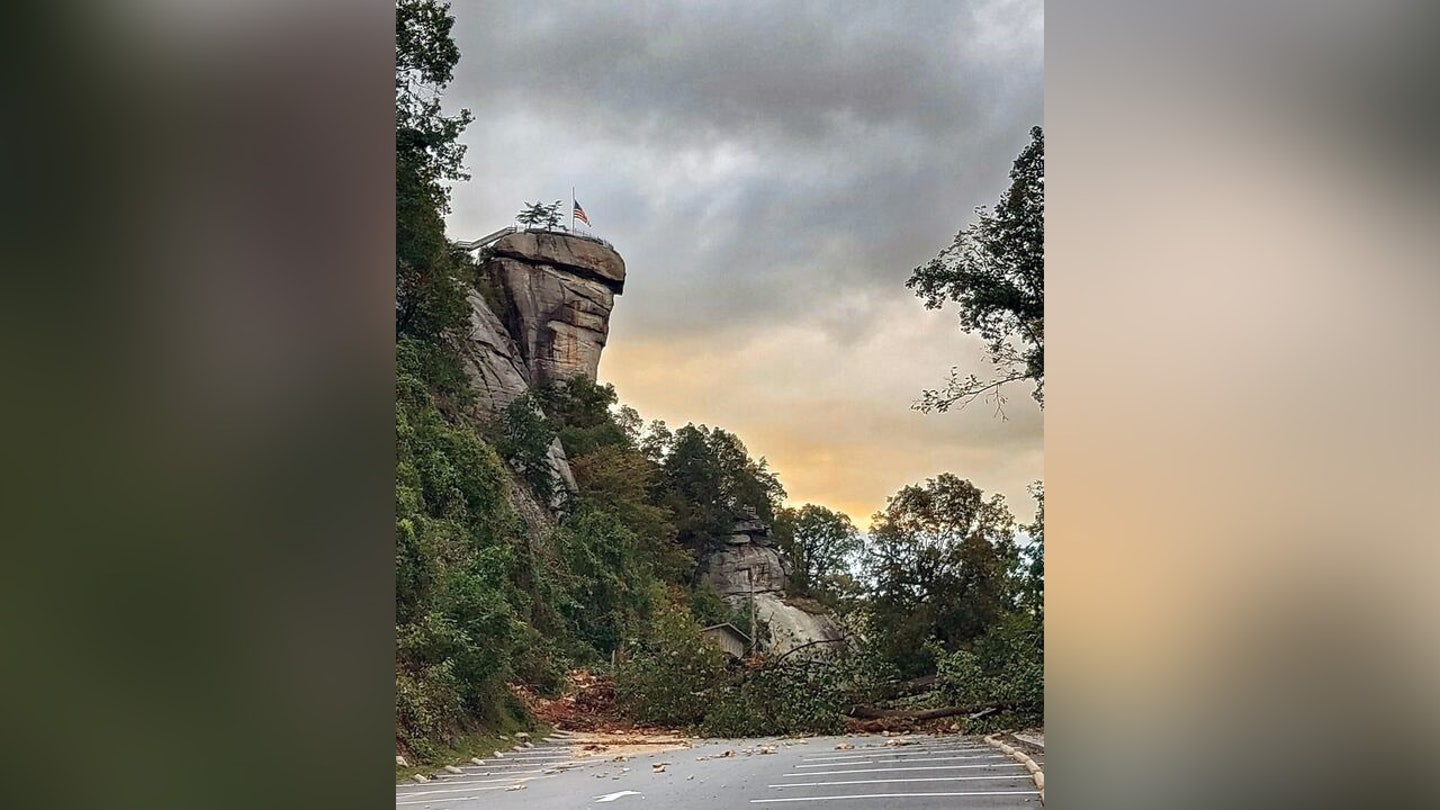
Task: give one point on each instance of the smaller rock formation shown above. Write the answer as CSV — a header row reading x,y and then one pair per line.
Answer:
x,y
750,567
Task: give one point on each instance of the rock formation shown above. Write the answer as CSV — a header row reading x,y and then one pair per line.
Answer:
x,y
544,317
555,292
750,567
561,290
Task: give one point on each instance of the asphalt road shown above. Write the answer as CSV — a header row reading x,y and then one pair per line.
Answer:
x,y
931,772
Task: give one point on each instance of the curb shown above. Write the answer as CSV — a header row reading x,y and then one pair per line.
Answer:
x,y
1024,759
1029,740
522,742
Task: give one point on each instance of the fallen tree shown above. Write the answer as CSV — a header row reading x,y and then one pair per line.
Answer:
x,y
920,716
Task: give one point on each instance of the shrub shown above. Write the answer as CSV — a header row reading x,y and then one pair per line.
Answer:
x,y
1004,668
710,608
670,680
789,697
525,437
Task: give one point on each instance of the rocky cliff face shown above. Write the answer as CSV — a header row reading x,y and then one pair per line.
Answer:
x,y
750,567
561,290
556,292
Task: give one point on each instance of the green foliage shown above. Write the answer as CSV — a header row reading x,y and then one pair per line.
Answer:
x,y
539,215
431,280
456,625
1032,577
1004,668
525,437
796,696
822,545
618,479
609,573
707,479
995,271
669,679
940,560
581,410
710,608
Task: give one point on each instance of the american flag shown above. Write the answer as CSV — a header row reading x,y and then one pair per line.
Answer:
x,y
580,213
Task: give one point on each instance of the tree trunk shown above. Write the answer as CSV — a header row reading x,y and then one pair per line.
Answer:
x,y
871,713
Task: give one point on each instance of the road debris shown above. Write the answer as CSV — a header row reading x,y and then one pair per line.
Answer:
x,y
658,767
844,747
516,787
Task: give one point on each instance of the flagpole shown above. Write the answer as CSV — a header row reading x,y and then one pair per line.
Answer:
x,y
572,209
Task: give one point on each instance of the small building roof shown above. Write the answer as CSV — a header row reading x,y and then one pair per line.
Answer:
x,y
727,626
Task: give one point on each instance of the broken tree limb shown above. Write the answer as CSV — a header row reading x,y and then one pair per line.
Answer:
x,y
871,713
789,652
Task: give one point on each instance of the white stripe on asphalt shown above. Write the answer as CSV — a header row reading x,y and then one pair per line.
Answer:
x,y
506,777
1011,777
897,796
921,768
441,783
504,784
892,753
900,761
470,794
910,753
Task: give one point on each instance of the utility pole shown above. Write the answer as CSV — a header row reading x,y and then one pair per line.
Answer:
x,y
750,583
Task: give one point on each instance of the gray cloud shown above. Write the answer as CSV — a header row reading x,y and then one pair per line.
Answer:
x,y
771,173
751,161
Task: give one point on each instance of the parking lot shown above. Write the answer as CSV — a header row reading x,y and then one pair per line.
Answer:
x,y
859,771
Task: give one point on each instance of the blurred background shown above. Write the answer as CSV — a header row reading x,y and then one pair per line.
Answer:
x,y
1240,437
1240,440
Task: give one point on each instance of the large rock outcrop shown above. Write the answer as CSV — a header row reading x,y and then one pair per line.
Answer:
x,y
750,567
546,321
560,292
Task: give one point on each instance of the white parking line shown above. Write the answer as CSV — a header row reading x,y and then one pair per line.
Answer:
x,y
1011,764
509,777
1010,777
504,784
899,752
909,760
896,796
439,784
470,794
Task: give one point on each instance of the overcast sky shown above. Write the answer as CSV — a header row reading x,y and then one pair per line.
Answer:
x,y
771,173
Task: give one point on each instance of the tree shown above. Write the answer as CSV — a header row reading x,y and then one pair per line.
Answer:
x,y
1033,566
820,543
430,279
940,561
995,271
539,215
707,480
